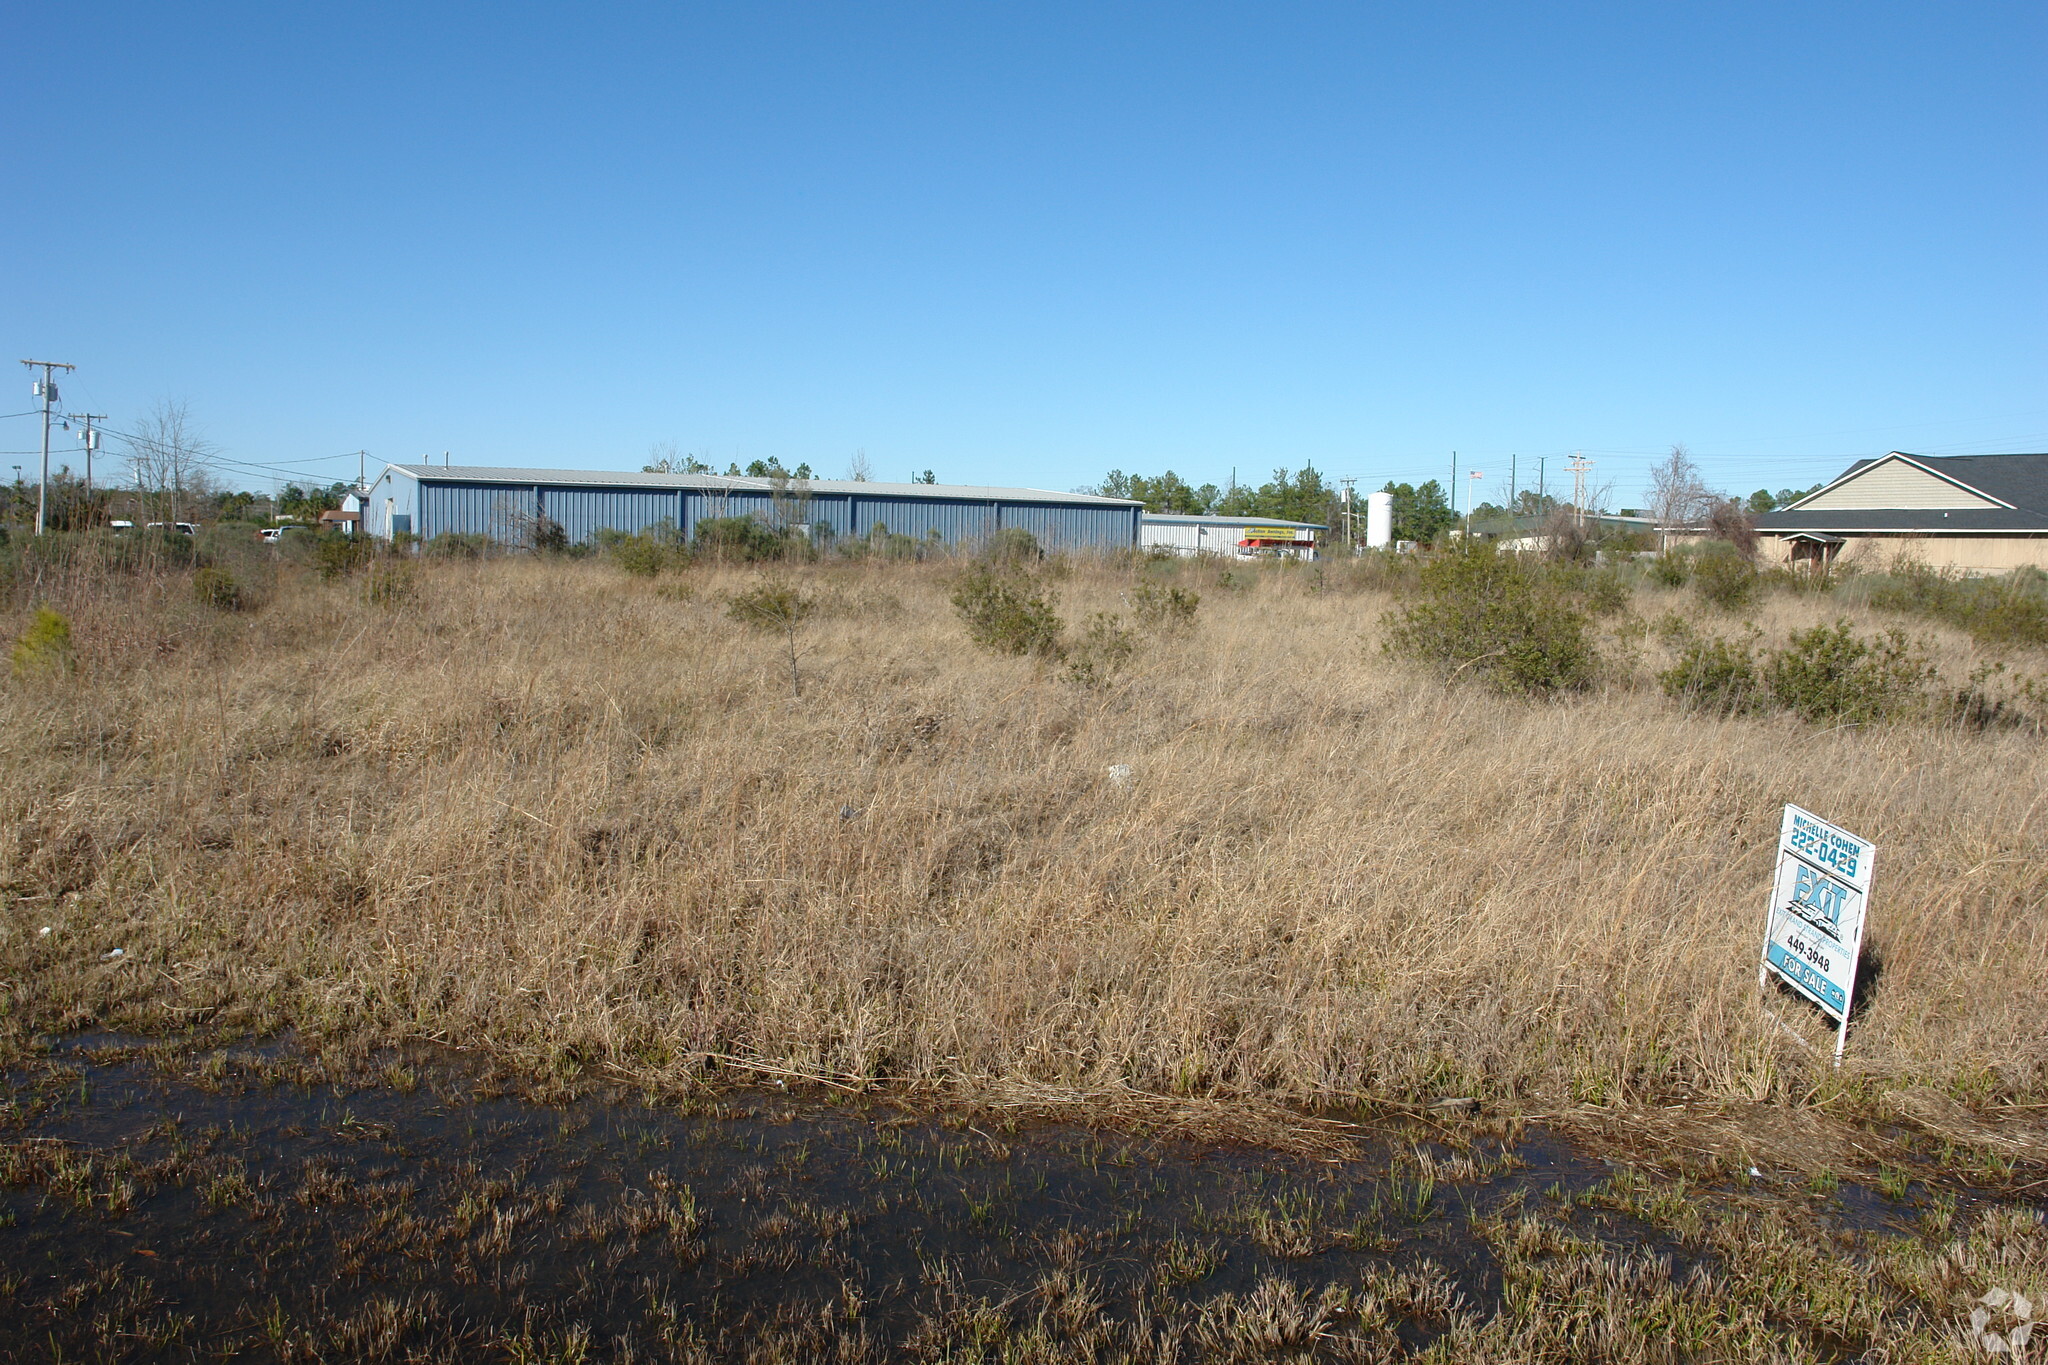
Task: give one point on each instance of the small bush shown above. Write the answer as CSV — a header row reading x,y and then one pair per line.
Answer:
x,y
642,555
547,537
1712,675
774,605
1829,673
1724,579
739,538
1103,651
778,606
1165,610
460,545
392,583
1010,613
2012,610
337,556
1012,545
1509,622
1670,569
44,648
1605,591
216,587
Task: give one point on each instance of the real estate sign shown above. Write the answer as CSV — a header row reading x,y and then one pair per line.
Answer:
x,y
1813,930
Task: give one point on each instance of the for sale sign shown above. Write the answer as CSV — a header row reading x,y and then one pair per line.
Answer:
x,y
1814,930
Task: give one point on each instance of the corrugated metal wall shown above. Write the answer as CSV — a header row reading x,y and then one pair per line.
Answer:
x,y
1076,527
502,511
506,512
1188,539
583,512
957,523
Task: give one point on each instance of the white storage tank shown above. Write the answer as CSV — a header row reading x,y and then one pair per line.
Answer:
x,y
1379,521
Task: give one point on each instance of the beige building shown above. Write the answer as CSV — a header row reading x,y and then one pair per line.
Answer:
x,y
1972,514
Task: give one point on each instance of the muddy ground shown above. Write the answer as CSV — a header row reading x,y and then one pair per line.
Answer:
x,y
166,1204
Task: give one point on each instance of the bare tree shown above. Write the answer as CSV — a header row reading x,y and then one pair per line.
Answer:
x,y
1679,496
1731,521
665,457
168,455
858,470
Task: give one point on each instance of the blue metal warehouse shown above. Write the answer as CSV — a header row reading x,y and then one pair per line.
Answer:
x,y
506,504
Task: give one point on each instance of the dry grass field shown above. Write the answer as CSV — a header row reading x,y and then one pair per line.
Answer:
x,y
576,819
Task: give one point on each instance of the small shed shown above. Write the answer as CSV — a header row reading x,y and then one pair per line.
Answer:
x,y
1238,537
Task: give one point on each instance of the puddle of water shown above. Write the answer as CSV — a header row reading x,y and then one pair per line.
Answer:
x,y
142,1211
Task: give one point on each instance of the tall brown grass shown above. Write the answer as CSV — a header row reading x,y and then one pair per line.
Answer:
x,y
575,818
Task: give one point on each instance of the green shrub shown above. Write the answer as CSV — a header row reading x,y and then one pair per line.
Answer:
x,y
1012,545
336,555
1605,591
1008,612
216,587
547,537
392,583
778,606
1670,569
460,545
2012,610
1165,610
1508,622
44,648
774,605
1829,673
1712,675
643,555
1103,651
740,538
1724,579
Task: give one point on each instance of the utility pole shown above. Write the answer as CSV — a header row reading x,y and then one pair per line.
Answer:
x,y
1579,467
46,389
1512,460
92,443
1350,536
1542,490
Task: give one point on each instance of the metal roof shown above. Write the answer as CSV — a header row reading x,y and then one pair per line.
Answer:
x,y
2019,481
587,478
1192,519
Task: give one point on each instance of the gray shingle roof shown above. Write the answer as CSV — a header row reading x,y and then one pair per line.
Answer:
x,y
2021,480
588,478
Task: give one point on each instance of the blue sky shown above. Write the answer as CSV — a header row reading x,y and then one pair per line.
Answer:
x,y
1027,244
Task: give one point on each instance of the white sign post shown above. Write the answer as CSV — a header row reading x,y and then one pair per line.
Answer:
x,y
1813,929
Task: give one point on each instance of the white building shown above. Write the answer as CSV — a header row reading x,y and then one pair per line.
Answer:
x,y
1237,537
